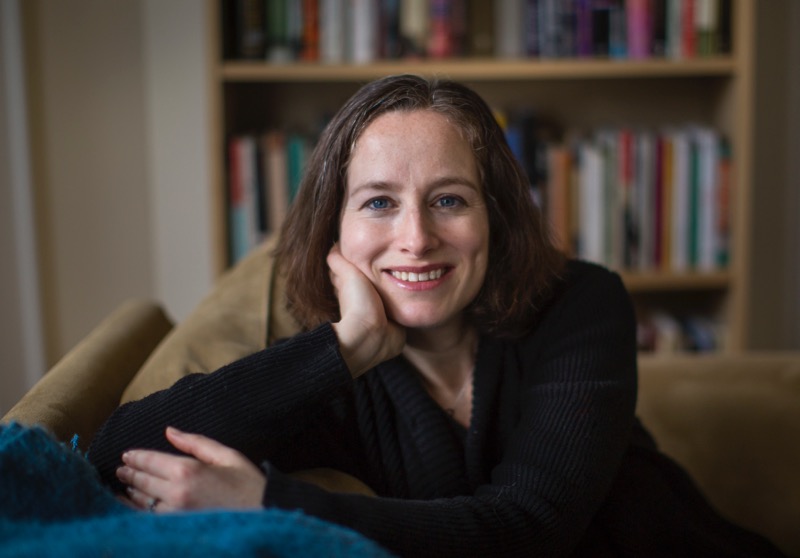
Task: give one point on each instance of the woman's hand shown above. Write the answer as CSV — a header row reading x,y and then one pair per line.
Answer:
x,y
215,477
366,336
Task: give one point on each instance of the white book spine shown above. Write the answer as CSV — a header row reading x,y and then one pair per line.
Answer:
x,y
708,143
331,31
364,30
680,201
509,29
591,234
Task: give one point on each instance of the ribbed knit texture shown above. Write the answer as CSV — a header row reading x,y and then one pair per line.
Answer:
x,y
552,419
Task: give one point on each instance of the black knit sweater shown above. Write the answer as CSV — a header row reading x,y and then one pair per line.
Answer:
x,y
553,463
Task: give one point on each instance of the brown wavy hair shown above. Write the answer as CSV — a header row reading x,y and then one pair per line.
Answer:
x,y
523,262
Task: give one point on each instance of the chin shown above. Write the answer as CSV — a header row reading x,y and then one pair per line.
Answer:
x,y
421,320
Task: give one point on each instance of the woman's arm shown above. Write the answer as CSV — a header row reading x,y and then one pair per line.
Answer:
x,y
244,405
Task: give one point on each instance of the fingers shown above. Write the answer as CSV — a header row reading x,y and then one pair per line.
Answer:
x,y
203,448
211,475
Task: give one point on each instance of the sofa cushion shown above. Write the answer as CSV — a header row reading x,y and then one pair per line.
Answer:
x,y
82,389
733,421
240,316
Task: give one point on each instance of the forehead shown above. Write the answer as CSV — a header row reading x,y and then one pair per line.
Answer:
x,y
420,139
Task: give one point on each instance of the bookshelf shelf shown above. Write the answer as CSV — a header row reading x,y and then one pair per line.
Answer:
x,y
472,69
658,281
579,94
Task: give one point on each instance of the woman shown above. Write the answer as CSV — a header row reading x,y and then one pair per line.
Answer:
x,y
483,387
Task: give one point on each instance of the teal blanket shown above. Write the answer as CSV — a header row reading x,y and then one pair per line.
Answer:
x,y
52,504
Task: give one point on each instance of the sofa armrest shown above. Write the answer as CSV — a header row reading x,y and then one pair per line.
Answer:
x,y
83,388
733,421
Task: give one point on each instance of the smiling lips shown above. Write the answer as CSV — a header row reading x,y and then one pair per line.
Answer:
x,y
412,277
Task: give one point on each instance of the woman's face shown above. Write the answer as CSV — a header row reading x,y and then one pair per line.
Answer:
x,y
414,220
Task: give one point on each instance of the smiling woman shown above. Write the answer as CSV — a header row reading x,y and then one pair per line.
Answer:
x,y
452,360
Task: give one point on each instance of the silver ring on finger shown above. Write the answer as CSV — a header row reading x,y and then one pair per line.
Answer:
x,y
151,504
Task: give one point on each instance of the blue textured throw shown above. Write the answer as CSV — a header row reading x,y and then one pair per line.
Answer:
x,y
52,504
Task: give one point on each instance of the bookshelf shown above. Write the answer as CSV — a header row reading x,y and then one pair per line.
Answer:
x,y
252,96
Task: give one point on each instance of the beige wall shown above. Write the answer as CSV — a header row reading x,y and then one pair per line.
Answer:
x,y
12,359
775,299
21,347
86,73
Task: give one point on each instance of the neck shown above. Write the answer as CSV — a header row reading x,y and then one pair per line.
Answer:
x,y
444,357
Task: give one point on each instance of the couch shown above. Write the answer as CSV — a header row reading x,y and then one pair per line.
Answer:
x,y
732,421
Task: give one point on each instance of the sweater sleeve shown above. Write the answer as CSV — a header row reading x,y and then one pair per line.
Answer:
x,y
576,410
243,405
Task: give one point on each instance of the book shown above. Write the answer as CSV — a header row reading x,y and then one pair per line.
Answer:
x,y
332,36
279,49
688,29
389,40
509,29
250,29
707,147
591,245
242,202
638,29
480,28
310,26
679,222
414,16
617,30
658,45
440,32
557,197
364,30
583,28
296,155
724,193
276,172
645,165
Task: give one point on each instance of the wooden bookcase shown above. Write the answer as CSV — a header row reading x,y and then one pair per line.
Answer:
x,y
247,96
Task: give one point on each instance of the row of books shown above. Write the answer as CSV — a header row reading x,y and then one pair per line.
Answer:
x,y
634,199
264,173
620,29
361,31
628,199
661,332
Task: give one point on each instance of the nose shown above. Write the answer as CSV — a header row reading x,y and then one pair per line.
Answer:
x,y
417,232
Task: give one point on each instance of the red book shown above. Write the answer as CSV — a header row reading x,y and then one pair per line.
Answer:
x,y
440,40
688,42
310,51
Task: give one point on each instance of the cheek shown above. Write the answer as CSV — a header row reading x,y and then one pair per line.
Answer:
x,y
358,243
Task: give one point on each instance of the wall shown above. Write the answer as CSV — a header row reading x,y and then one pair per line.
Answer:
x,y
176,48
86,75
791,321
21,355
121,139
775,299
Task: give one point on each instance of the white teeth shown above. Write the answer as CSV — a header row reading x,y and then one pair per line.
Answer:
x,y
412,277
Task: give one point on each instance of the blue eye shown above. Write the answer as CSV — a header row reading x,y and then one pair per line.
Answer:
x,y
378,203
448,201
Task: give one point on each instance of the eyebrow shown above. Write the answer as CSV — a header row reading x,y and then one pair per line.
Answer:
x,y
385,186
